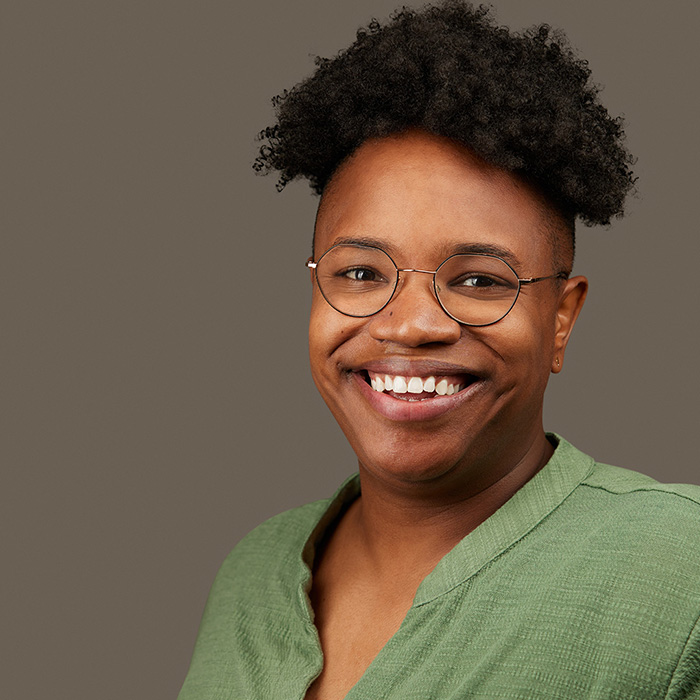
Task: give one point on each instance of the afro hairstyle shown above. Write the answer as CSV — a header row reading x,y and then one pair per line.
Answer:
x,y
521,101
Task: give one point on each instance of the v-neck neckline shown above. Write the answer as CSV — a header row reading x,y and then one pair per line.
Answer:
x,y
531,504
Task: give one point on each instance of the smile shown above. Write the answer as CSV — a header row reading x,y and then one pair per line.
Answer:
x,y
414,388
422,394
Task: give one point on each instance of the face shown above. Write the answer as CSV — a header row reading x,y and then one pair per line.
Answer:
x,y
422,198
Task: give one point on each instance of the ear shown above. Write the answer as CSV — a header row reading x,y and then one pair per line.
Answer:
x,y
570,304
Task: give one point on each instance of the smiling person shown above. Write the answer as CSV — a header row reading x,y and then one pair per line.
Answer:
x,y
474,555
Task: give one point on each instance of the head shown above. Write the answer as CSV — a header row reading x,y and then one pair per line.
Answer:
x,y
436,133
422,198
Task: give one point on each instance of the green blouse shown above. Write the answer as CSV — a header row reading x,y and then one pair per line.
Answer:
x,y
584,585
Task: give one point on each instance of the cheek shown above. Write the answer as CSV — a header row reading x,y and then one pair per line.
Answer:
x,y
328,331
525,344
319,335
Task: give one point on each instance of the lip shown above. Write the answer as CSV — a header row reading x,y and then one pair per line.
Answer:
x,y
414,368
402,410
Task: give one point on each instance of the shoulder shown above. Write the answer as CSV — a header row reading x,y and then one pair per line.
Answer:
x,y
276,554
261,574
620,527
257,592
629,494
274,542
638,524
616,504
626,481
624,548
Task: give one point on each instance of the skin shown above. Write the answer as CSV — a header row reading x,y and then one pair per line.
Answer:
x,y
427,482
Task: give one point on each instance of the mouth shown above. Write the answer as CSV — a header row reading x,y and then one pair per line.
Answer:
x,y
416,396
417,388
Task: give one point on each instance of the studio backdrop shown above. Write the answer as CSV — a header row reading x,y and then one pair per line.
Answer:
x,y
157,402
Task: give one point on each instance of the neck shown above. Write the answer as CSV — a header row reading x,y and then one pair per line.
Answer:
x,y
414,526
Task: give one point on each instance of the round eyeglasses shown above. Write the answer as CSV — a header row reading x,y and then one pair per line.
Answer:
x,y
475,289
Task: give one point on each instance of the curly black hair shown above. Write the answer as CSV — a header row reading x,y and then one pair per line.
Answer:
x,y
522,102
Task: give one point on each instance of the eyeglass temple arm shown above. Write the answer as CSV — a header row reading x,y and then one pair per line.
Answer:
x,y
531,280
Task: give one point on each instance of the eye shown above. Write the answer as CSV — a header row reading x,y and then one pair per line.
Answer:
x,y
361,274
479,281
482,285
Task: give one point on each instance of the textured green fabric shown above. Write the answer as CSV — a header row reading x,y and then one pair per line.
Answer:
x,y
585,585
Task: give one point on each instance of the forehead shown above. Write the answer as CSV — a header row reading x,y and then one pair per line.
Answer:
x,y
423,195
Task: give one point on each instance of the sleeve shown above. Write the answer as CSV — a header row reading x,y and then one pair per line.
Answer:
x,y
685,682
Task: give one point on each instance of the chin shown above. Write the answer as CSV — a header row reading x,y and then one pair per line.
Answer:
x,y
405,458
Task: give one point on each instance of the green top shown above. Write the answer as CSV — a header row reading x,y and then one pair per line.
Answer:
x,y
584,585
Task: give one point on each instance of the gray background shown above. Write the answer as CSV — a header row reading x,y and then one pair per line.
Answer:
x,y
156,397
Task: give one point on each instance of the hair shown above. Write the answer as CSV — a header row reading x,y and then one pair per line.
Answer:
x,y
521,101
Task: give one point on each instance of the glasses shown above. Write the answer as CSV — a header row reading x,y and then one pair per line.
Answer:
x,y
474,289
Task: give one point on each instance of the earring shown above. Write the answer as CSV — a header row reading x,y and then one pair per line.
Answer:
x,y
556,359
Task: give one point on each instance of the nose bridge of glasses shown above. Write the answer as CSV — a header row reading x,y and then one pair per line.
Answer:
x,y
400,283
413,269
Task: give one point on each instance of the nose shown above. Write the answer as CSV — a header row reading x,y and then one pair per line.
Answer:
x,y
414,316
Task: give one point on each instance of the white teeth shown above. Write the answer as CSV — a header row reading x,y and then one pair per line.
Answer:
x,y
400,386
415,385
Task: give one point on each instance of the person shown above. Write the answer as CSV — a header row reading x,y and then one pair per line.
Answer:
x,y
474,555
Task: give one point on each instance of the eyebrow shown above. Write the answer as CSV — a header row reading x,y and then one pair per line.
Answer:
x,y
463,248
488,249
364,240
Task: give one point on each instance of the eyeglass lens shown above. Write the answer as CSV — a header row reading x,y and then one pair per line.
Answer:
x,y
474,289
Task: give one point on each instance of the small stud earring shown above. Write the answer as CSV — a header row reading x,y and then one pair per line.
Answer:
x,y
556,359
